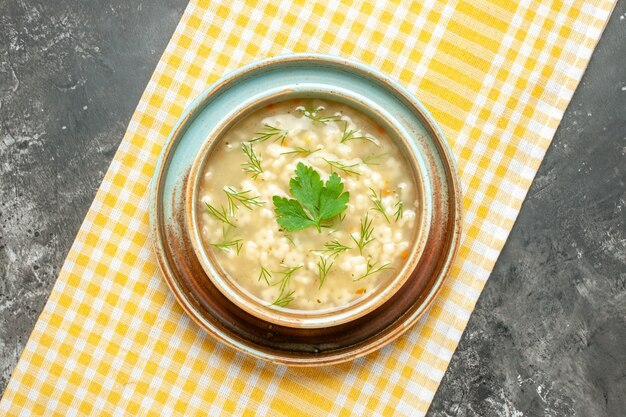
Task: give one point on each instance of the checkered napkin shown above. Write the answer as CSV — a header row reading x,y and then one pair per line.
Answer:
x,y
497,75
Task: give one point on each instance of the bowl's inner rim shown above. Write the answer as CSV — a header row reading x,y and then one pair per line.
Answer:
x,y
311,318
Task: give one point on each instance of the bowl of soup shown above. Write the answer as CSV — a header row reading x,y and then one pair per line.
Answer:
x,y
306,210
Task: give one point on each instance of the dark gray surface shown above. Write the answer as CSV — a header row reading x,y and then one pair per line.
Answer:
x,y
548,336
71,74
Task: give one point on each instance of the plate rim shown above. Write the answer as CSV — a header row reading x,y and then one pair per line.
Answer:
x,y
455,212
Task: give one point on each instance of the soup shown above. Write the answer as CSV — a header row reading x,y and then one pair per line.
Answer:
x,y
308,204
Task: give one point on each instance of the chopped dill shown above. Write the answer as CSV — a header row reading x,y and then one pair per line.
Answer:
x,y
269,132
229,245
355,134
374,159
289,238
365,233
301,151
378,204
240,197
253,165
399,206
340,166
312,113
323,268
221,215
371,269
285,297
334,248
265,275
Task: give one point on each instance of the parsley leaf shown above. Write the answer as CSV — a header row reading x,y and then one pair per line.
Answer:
x,y
291,215
314,203
332,201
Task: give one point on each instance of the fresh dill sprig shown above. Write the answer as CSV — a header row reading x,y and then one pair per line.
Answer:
x,y
221,215
286,273
355,134
323,268
229,245
374,159
269,132
399,206
340,166
289,238
241,197
371,269
253,165
378,204
365,233
265,275
284,297
301,151
334,248
312,113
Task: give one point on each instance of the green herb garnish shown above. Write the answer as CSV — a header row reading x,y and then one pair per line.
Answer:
x,y
378,204
365,233
253,165
374,159
269,132
312,113
334,248
323,268
229,245
289,238
399,206
340,166
241,197
301,151
285,297
220,215
265,275
314,203
371,269
355,135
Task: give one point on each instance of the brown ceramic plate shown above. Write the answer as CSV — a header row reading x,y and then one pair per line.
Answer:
x,y
320,340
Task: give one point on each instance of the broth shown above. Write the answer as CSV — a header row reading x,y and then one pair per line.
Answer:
x,y
286,246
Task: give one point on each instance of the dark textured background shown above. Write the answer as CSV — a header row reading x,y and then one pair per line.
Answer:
x,y
548,336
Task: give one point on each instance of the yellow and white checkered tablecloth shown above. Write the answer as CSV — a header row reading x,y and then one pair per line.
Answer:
x,y
496,74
